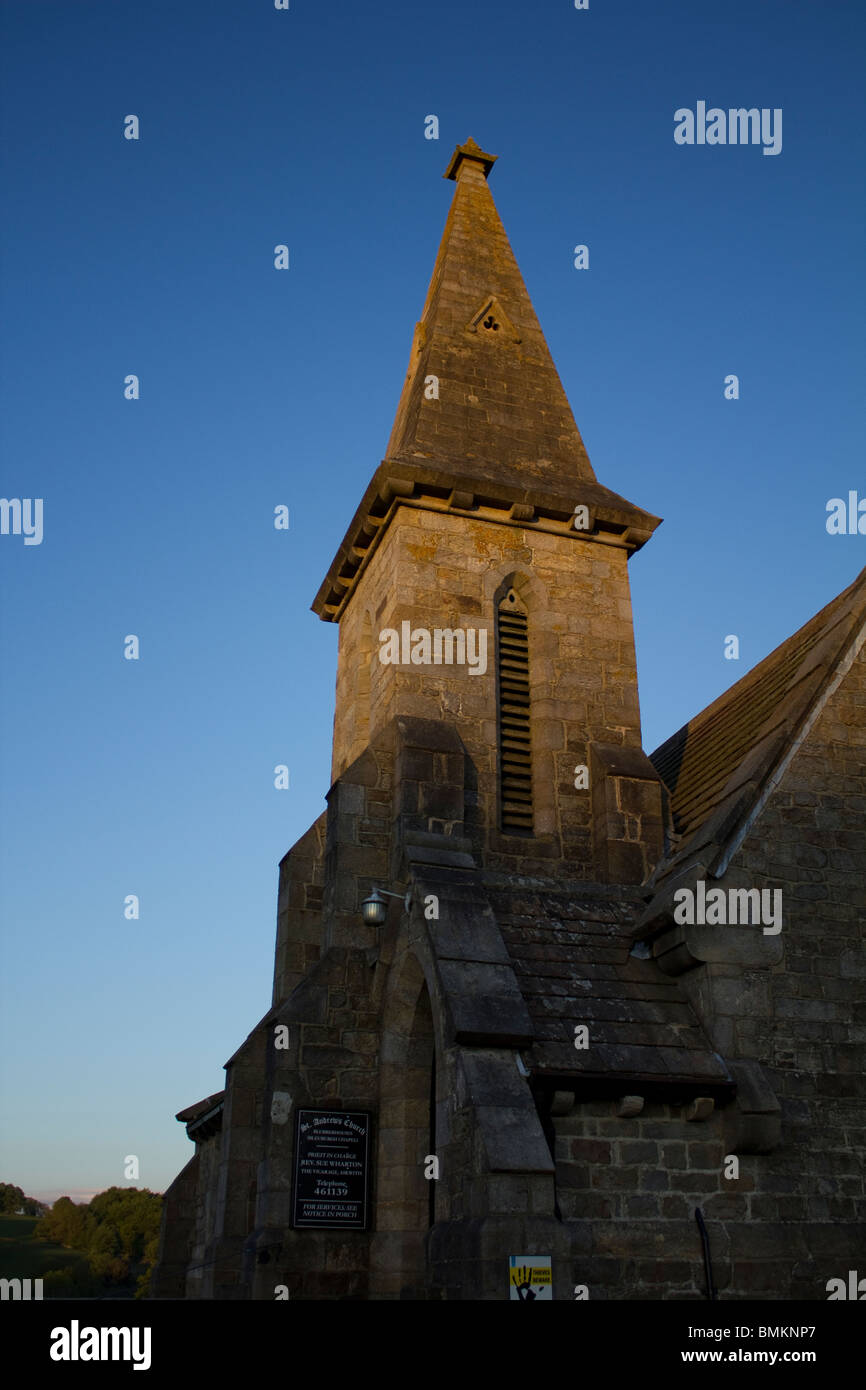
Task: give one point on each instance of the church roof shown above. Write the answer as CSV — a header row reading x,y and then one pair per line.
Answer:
x,y
570,946
720,767
483,425
204,1118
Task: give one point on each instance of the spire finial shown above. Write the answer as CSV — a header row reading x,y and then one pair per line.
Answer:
x,y
469,151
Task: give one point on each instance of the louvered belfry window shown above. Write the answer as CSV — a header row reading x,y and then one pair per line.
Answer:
x,y
515,766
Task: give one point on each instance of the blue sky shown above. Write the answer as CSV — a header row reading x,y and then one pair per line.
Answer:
x,y
260,388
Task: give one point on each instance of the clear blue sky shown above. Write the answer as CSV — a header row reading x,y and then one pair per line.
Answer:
x,y
261,387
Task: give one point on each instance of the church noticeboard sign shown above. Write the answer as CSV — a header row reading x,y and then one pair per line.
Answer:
x,y
332,1169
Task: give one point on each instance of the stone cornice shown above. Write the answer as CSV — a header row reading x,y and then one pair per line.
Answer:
x,y
440,488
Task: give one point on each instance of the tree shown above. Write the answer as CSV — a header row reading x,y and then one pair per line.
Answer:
x,y
64,1223
118,1230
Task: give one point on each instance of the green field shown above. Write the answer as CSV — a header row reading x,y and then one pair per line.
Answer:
x,y
22,1256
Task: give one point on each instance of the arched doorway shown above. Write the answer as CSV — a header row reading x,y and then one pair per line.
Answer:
x,y
405,1198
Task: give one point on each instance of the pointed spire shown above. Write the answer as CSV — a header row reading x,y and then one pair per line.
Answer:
x,y
501,412
483,421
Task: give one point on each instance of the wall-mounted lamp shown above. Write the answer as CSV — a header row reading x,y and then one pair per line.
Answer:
x,y
374,908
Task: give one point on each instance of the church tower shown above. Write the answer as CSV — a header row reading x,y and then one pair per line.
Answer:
x,y
485,523
499,1062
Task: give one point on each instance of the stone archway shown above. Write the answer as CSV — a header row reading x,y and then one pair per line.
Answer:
x,y
404,1205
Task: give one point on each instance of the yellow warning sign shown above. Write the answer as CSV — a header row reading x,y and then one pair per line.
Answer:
x,y
530,1277
531,1274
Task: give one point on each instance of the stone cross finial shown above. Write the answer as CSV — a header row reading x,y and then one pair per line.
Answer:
x,y
470,152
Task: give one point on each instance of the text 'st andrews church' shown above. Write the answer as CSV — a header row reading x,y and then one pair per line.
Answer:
x,y
576,1024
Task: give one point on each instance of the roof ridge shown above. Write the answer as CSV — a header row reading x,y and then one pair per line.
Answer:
x,y
753,674
721,766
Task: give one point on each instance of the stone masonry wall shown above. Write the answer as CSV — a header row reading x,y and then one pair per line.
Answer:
x,y
806,1019
796,1003
628,1188
332,1017
362,1026
581,661
299,909
207,1160
177,1231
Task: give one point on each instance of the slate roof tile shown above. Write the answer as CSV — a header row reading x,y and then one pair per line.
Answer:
x,y
571,956
716,766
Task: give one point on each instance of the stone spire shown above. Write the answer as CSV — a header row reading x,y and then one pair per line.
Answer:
x,y
483,426
501,413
